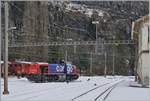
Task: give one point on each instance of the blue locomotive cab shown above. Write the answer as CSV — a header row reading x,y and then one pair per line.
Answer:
x,y
61,72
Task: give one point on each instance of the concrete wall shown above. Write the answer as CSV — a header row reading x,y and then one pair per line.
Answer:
x,y
143,53
143,68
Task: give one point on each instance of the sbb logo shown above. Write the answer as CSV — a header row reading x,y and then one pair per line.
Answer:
x,y
60,68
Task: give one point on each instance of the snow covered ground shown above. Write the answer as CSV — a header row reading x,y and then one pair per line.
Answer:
x,y
83,89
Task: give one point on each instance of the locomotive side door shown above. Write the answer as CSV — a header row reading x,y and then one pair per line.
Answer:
x,y
44,69
44,72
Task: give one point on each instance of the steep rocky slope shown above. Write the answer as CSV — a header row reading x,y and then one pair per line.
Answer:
x,y
72,21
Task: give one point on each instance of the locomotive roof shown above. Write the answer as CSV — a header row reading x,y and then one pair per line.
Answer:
x,y
58,64
25,62
41,62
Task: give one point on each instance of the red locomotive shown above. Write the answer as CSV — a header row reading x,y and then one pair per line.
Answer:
x,y
44,72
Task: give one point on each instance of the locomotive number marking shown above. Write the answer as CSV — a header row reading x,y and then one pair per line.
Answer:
x,y
69,69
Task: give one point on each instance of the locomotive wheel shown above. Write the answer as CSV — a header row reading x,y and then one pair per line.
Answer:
x,y
54,78
46,78
75,77
49,78
43,78
29,77
34,78
22,75
37,78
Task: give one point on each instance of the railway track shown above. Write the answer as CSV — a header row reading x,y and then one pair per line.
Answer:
x,y
102,96
107,92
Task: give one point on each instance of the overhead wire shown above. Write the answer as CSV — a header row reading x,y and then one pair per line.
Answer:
x,y
64,27
56,25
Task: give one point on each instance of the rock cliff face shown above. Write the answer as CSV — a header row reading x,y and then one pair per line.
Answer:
x,y
72,21
35,25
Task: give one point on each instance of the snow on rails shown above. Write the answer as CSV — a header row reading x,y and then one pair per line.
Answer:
x,y
99,93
